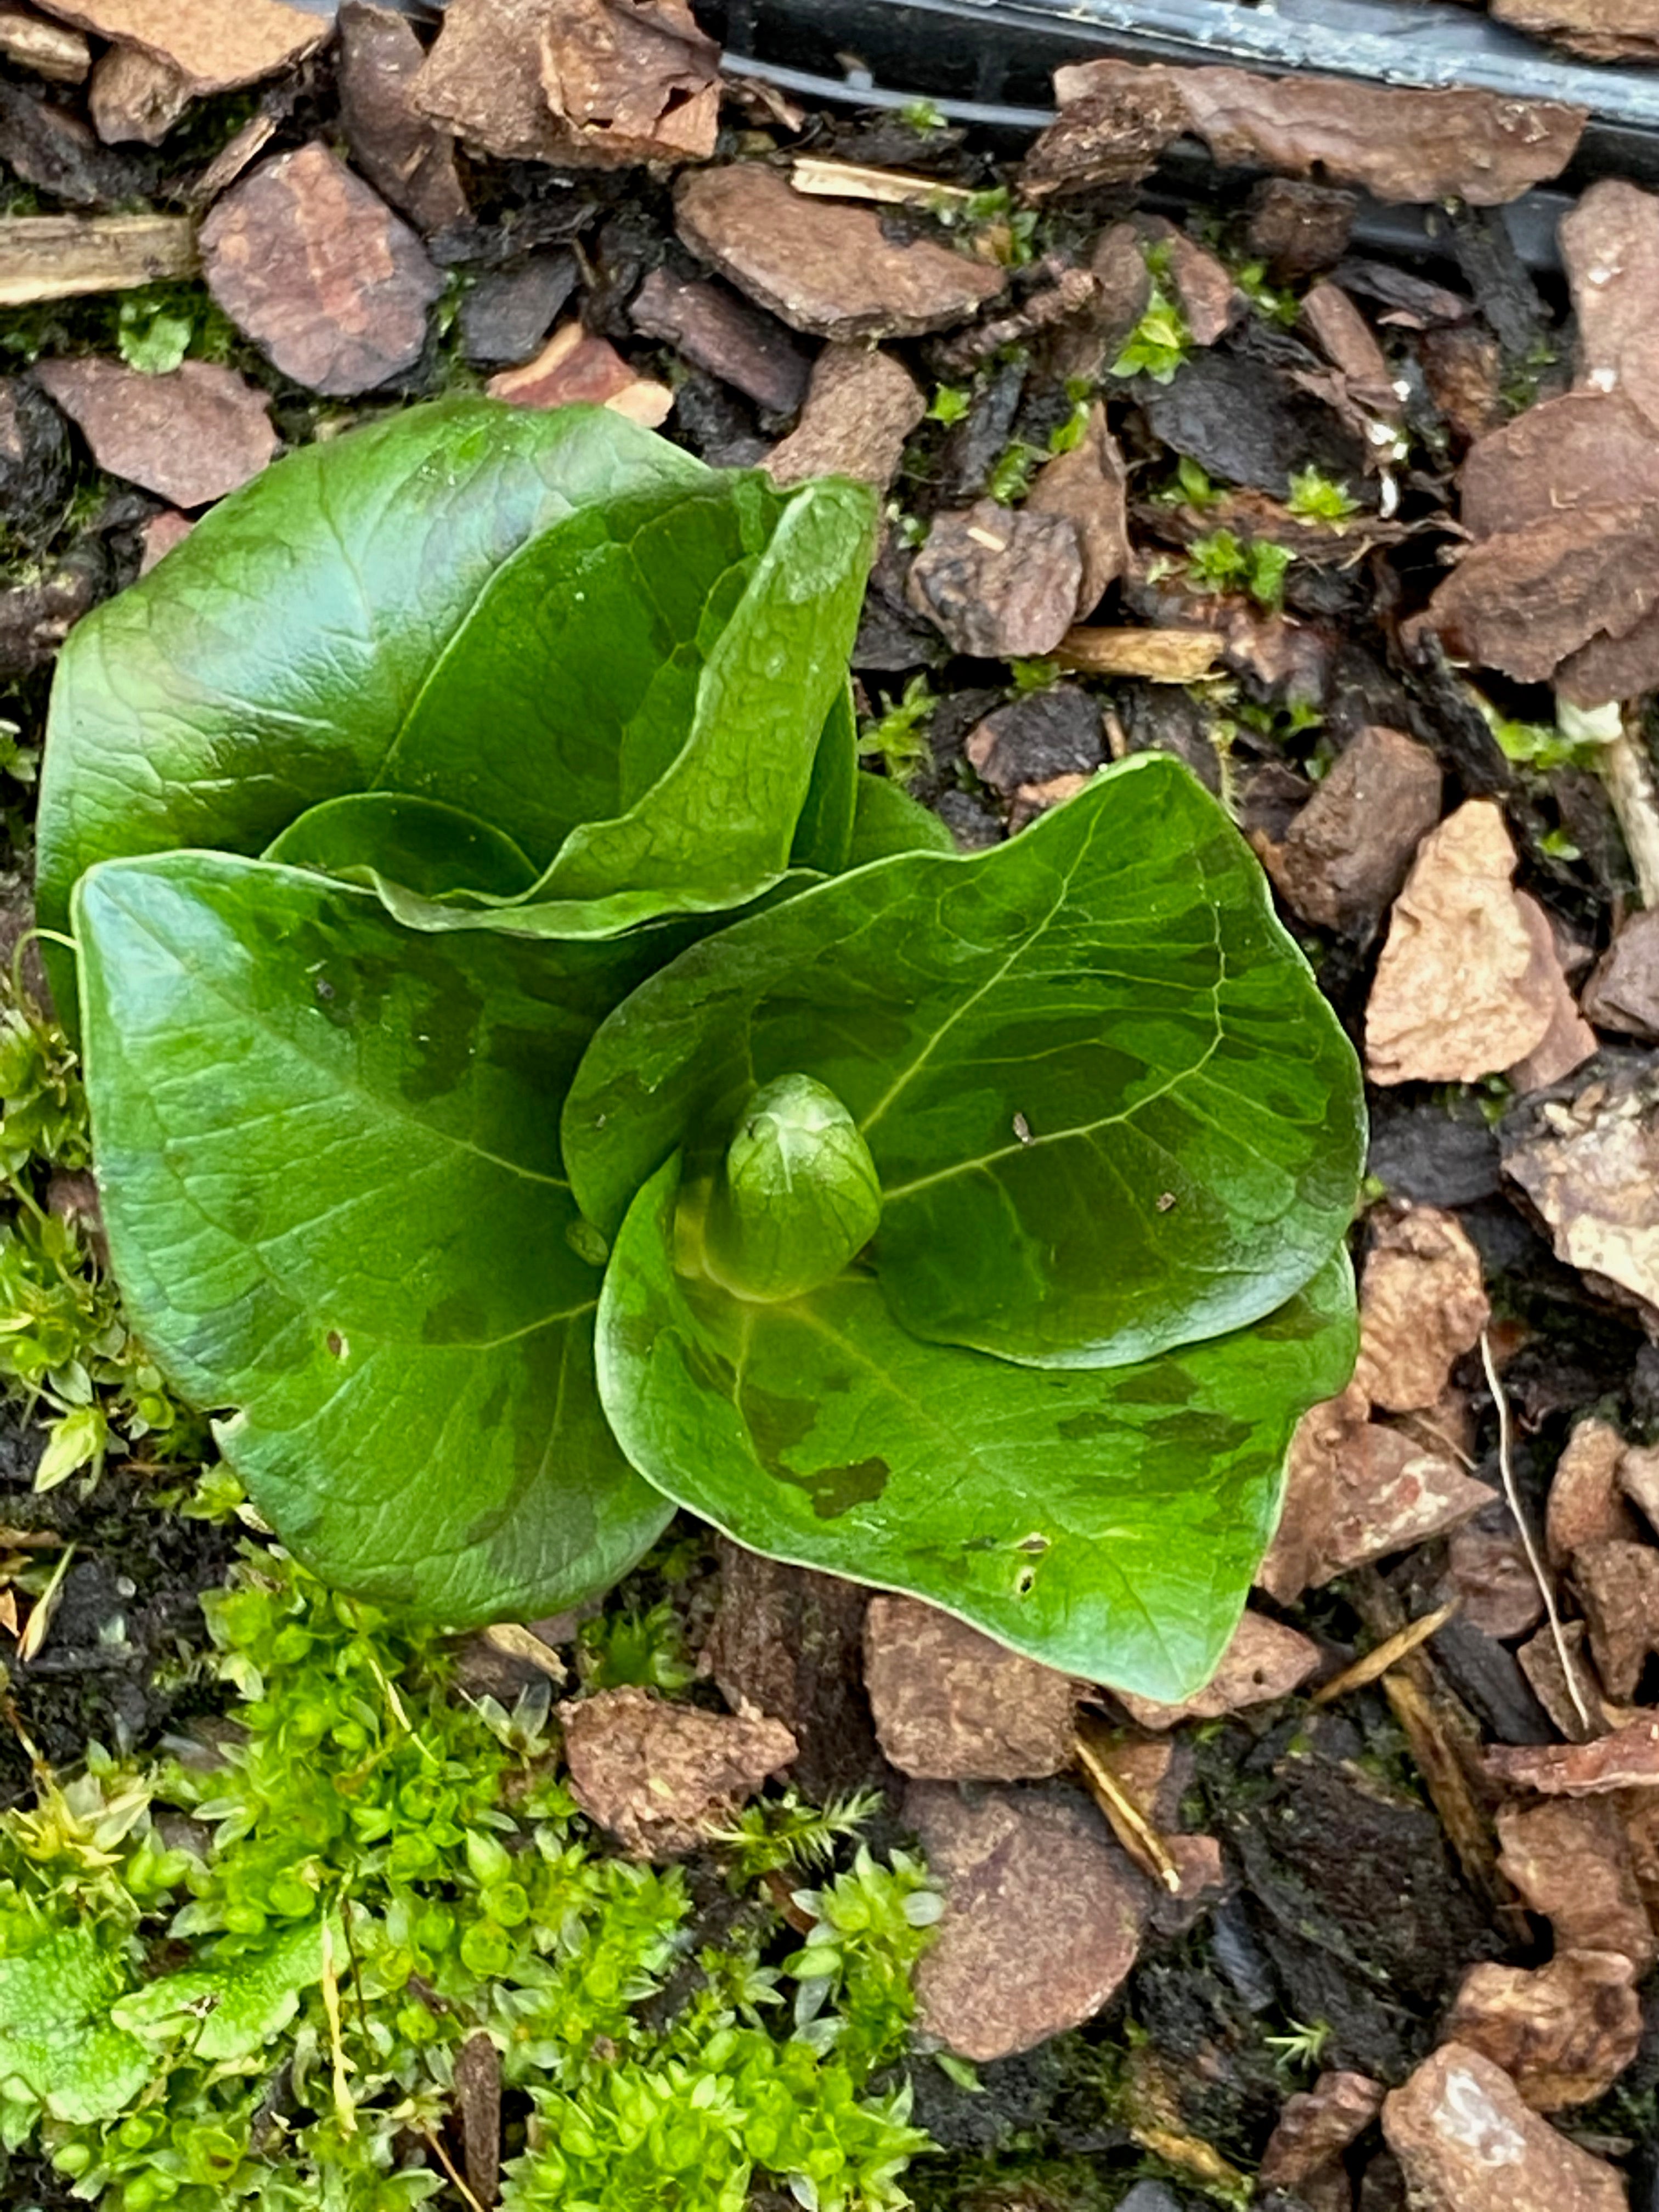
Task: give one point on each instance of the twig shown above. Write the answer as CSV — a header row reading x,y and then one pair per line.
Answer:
x,y
435,2146
1628,775
1545,1589
345,2112
1133,1829
1386,1655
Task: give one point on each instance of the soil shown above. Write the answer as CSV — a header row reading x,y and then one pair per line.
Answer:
x,y
1349,1915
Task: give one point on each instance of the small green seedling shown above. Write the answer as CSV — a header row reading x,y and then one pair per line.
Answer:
x,y
537,1082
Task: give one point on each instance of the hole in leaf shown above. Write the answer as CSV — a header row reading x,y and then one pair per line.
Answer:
x,y
1025,1582
336,1344
1034,1542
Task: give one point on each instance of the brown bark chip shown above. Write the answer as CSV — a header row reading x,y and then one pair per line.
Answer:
x,y
319,273
1346,854
1591,1167
752,352
1572,1863
483,80
860,407
1601,30
660,1776
1088,484
1626,1759
1297,228
1422,1306
1316,2127
1399,144
1563,2033
824,265
1265,1661
1610,244
951,1705
1619,1586
1001,583
1357,1490
1468,2143
576,365
632,80
1523,601
1461,989
789,1642
136,96
1586,1505
1623,991
1109,130
1490,1576
1638,1478
189,436
396,147
216,45
1042,1920
1584,449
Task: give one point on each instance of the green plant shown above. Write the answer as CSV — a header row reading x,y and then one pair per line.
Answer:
x,y
152,339
1220,560
1278,303
951,402
65,1341
375,1871
1189,487
1010,478
1160,341
972,1225
1315,497
897,737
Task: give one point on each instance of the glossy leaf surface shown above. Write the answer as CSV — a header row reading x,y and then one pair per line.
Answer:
x,y
555,621
1110,1111
1107,1521
329,1156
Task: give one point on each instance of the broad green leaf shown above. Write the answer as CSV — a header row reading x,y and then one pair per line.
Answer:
x,y
55,2037
824,833
230,2012
328,1155
713,777
1110,1111
1105,1521
274,660
431,849
888,820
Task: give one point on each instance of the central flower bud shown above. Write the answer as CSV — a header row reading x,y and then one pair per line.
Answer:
x,y
795,1197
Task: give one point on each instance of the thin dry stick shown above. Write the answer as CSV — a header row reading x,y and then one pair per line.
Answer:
x,y
1545,1589
435,2146
1377,1663
1134,1830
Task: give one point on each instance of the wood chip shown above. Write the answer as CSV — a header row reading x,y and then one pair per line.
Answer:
x,y
574,366
1161,656
1585,1504
61,55
1422,1306
1626,1759
216,45
631,81
1265,1661
1375,1664
64,257
852,180
1462,988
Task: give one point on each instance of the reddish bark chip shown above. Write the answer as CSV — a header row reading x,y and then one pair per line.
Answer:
x,y
951,1705
822,265
214,44
861,405
1044,1915
1265,1660
1469,2143
319,273
397,149
660,1776
1564,2033
1346,854
189,436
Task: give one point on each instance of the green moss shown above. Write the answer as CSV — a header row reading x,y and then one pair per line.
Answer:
x,y
264,2005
